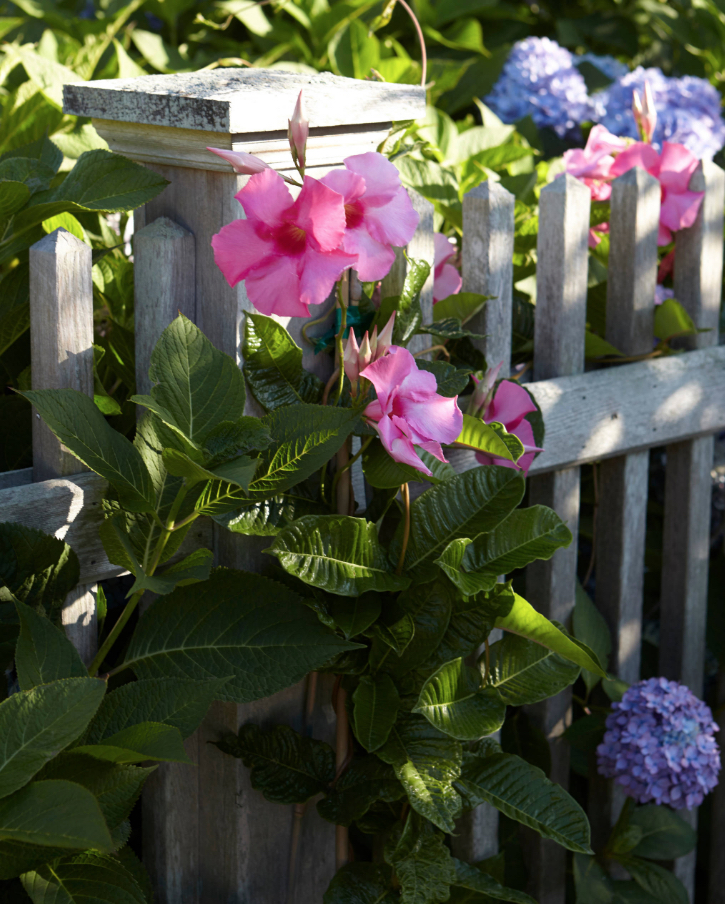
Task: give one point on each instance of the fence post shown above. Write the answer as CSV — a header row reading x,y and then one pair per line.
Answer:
x,y
688,486
561,297
621,513
61,349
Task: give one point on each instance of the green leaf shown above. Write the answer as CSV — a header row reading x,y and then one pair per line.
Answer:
x,y
460,307
56,814
522,792
237,625
42,149
191,570
655,880
465,506
197,387
630,893
450,562
671,319
590,626
14,195
430,607
492,439
285,766
361,883
468,876
140,742
15,308
394,634
238,472
664,834
593,885
273,365
454,702
181,702
597,347
524,672
376,703
451,380
44,653
450,328
336,553
366,781
36,568
79,425
353,616
68,222
384,472
407,305
267,517
85,879
426,762
422,862
524,620
36,724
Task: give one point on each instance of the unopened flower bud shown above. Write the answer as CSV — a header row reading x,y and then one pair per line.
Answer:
x,y
374,342
246,164
482,395
352,358
385,339
298,131
645,114
366,354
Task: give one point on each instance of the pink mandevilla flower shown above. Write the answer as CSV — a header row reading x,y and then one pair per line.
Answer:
x,y
508,405
408,411
593,163
370,349
673,168
287,251
446,279
377,209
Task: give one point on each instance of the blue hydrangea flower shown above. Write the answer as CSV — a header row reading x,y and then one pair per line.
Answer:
x,y
688,110
609,65
660,746
540,80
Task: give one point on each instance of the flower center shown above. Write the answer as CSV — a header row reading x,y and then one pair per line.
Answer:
x,y
353,214
291,239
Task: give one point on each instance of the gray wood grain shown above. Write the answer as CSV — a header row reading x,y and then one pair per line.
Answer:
x,y
488,247
561,281
686,547
18,478
164,286
61,350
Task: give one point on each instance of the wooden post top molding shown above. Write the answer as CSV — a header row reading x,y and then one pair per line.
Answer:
x,y
171,119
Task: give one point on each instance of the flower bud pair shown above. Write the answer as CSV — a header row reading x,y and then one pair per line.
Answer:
x,y
645,115
370,349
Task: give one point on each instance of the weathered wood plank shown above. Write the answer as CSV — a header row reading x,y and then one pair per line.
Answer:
x,y
561,286
683,604
19,478
61,351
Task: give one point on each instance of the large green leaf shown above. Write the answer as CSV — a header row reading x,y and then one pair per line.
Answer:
x,y
469,504
239,471
430,606
461,306
351,616
524,672
423,864
451,380
55,813
36,568
590,626
285,766
238,625
191,570
366,781
337,553
197,387
407,306
267,517
14,195
524,620
85,879
593,885
273,365
493,439
451,560
181,702
525,536
43,653
384,472
427,762
78,424
454,701
15,307
664,834
376,703
361,883
522,792
468,876
138,743
36,725
657,881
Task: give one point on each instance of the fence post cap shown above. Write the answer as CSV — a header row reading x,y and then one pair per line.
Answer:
x,y
60,241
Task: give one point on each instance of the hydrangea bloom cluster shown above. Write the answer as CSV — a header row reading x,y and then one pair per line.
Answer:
x,y
659,745
688,110
540,80
609,65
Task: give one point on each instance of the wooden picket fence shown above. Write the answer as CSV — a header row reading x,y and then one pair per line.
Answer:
x,y
208,836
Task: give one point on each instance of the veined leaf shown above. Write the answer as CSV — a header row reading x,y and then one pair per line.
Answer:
x,y
138,743
407,305
522,792
451,561
430,606
461,306
336,553
366,781
43,653
267,517
15,311
239,471
663,885
664,834
36,725
273,365
454,701
422,862
191,570
524,672
384,472
376,703
84,879
36,568
238,625
451,380
590,626
467,876
469,504
285,766
361,883
197,386
493,439
78,424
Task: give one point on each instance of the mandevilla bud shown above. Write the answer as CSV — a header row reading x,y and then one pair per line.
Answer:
x,y
297,133
246,164
385,339
645,114
351,360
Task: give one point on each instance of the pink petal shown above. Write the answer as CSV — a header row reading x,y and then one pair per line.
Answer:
x,y
679,209
443,249
677,165
484,459
238,249
664,236
434,449
345,183
374,259
637,154
321,213
274,288
398,446
601,191
525,433
265,198
382,179
393,223
448,282
319,273
510,405
374,410
602,140
387,373
439,418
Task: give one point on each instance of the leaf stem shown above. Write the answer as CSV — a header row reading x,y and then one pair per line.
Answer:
x,y
432,348
405,493
113,636
350,462
488,662
341,340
